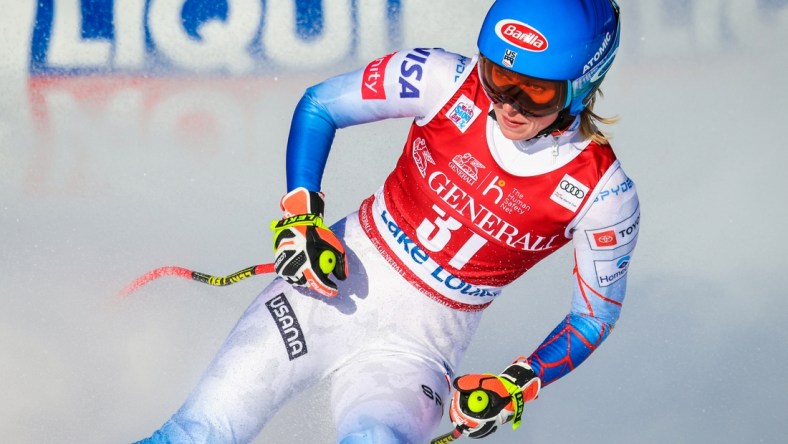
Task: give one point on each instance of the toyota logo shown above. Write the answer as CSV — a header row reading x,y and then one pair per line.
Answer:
x,y
605,239
571,189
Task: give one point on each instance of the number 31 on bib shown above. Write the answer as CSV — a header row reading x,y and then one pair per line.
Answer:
x,y
436,235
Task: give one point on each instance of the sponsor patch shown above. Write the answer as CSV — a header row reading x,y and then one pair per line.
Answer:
x,y
521,35
467,167
421,156
609,272
605,239
373,79
569,193
598,54
484,218
462,63
620,234
411,72
616,190
463,113
509,57
288,325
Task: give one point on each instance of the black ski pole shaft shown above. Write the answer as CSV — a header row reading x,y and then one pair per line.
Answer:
x,y
448,437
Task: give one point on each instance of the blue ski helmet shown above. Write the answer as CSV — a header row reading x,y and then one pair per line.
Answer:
x,y
560,40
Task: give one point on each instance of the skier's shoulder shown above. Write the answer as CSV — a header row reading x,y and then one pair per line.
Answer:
x,y
614,201
434,63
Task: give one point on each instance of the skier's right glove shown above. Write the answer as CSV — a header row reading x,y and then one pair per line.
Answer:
x,y
307,251
483,402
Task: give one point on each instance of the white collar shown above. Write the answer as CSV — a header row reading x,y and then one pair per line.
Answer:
x,y
534,156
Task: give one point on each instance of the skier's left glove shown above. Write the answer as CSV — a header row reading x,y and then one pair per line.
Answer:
x,y
307,251
483,402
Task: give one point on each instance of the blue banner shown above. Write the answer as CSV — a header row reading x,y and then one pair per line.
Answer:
x,y
206,36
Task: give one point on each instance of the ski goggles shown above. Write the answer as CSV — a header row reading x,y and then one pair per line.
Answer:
x,y
528,95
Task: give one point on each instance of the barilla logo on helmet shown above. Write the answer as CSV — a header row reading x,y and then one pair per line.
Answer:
x,y
521,35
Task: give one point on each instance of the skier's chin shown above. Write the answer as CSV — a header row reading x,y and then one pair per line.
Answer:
x,y
515,126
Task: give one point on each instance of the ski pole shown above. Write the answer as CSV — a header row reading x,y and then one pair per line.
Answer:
x,y
218,281
449,437
477,401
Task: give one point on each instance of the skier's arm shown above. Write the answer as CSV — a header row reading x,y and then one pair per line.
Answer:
x,y
410,83
603,241
407,83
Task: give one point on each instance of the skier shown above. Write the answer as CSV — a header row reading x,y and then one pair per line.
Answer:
x,y
503,165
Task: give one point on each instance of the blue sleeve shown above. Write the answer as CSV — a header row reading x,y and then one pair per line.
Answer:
x,y
311,135
343,101
569,344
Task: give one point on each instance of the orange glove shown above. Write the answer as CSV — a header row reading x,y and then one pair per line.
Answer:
x,y
482,402
306,250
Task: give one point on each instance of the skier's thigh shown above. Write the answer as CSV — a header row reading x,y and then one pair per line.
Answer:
x,y
270,355
395,398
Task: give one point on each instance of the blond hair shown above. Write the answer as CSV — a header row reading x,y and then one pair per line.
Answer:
x,y
588,119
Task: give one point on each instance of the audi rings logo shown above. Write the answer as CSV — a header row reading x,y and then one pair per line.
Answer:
x,y
572,189
569,193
